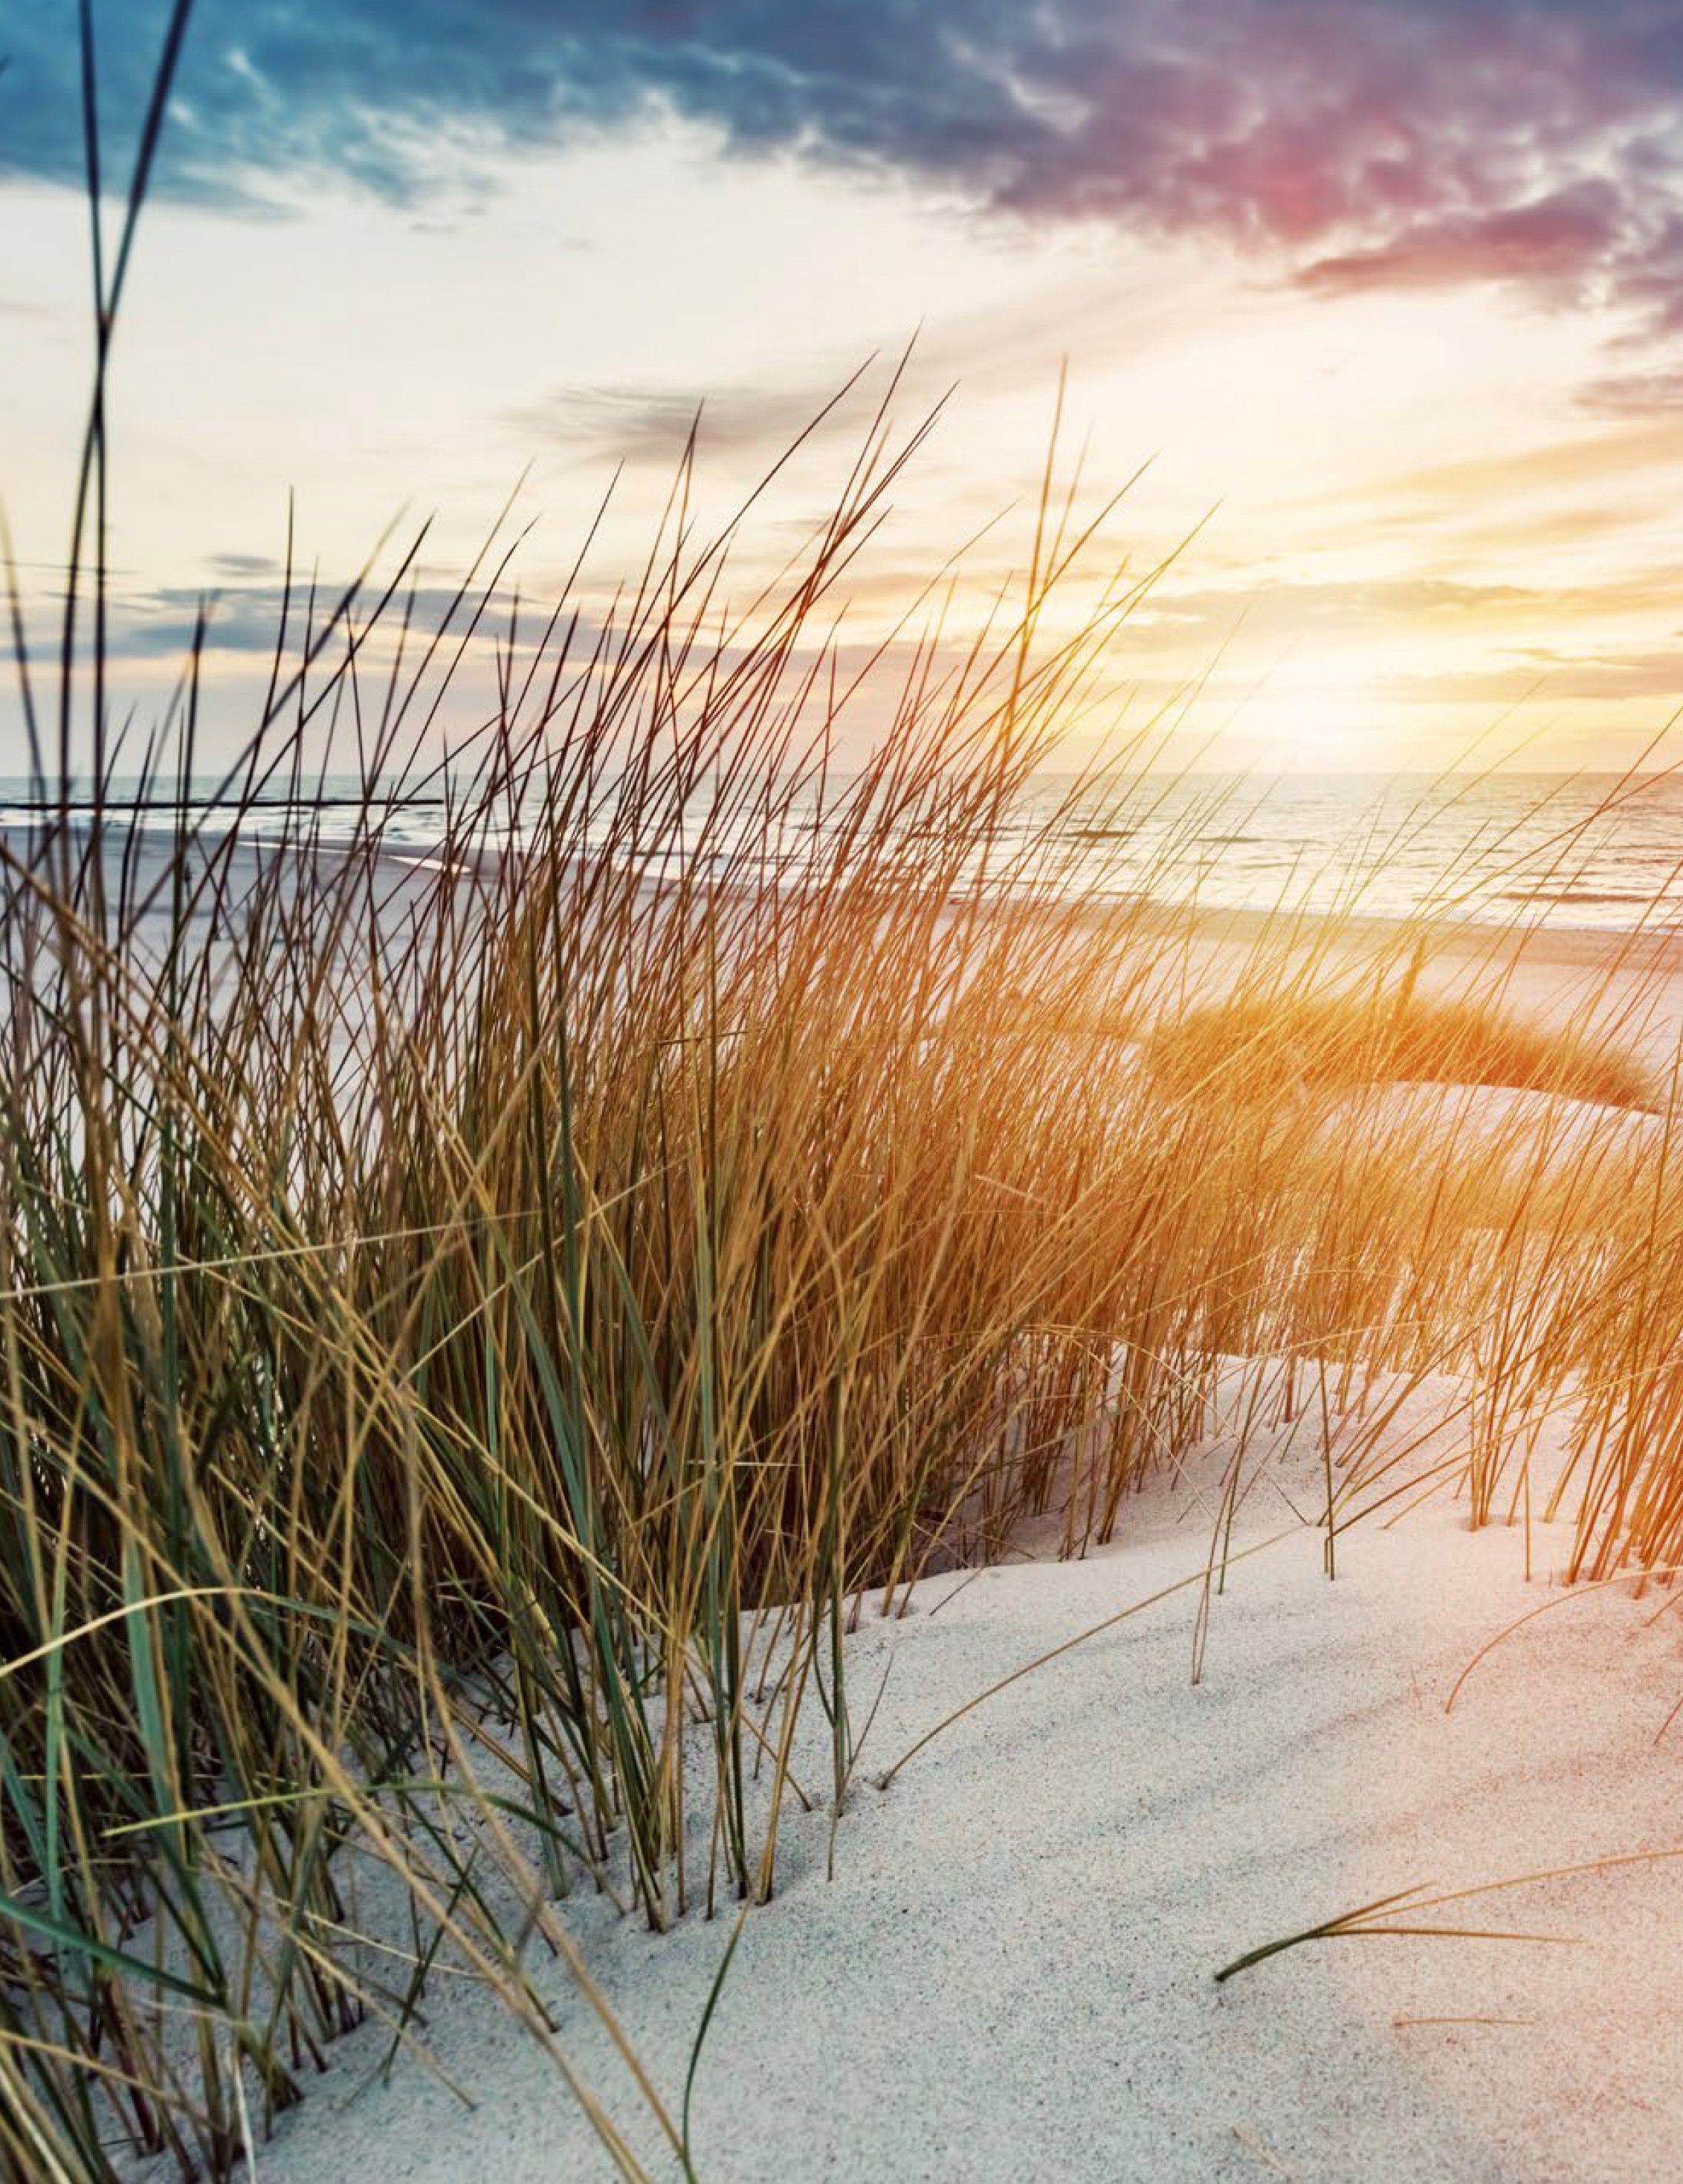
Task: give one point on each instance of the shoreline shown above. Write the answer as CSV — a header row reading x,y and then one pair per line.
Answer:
x,y
1527,930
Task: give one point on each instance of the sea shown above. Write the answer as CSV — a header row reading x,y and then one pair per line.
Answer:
x,y
1593,852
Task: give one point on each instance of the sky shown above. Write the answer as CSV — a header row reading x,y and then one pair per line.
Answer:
x,y
1382,303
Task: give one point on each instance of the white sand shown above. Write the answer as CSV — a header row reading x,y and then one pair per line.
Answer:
x,y
1529,1125
1628,988
1011,1974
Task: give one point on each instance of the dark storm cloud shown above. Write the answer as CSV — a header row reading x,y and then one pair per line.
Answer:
x,y
1363,143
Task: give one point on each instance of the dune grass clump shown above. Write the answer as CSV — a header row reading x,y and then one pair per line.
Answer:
x,y
1387,1032
477,1324
467,1320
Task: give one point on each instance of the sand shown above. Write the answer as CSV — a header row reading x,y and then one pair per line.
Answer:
x,y
1011,1973
1627,986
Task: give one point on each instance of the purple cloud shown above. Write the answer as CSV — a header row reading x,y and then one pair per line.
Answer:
x,y
1357,143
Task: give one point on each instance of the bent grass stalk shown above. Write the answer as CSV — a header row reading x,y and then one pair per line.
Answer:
x,y
1373,1921
1370,1920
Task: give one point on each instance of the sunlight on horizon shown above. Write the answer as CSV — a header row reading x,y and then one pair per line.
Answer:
x,y
1405,506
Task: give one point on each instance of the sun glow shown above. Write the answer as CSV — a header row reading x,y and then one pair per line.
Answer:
x,y
1324,709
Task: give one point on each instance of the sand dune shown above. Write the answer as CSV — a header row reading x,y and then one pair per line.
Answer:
x,y
1011,1973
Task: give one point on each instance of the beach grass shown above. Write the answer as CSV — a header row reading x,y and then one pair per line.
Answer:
x,y
1390,1034
470,1318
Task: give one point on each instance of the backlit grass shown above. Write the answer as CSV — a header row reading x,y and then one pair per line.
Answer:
x,y
452,1310
1389,1033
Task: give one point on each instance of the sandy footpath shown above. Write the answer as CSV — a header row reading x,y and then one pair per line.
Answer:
x,y
1009,1974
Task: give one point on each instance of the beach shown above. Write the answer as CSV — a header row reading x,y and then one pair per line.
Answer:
x,y
841,1288
1263,1300
1011,1971
1004,1962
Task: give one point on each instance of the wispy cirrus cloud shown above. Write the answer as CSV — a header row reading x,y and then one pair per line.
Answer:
x,y
653,423
1643,450
1655,677
1196,621
1623,395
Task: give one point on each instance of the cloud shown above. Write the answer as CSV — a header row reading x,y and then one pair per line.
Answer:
x,y
1559,243
1361,142
1624,395
1654,676
1638,455
240,566
1196,621
652,424
159,623
246,616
